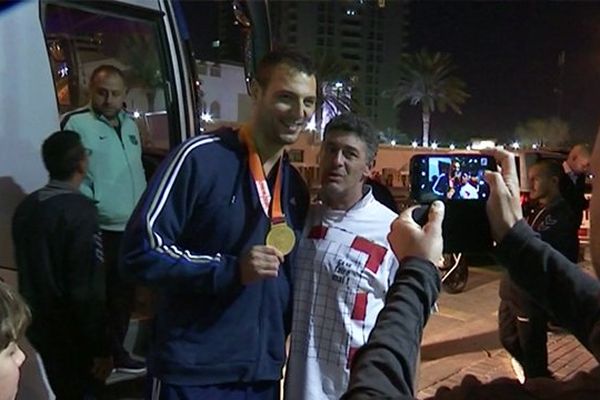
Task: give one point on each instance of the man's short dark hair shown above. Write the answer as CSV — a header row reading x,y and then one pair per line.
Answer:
x,y
283,55
358,126
62,152
108,70
551,168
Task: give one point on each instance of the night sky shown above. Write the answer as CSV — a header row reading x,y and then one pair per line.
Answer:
x,y
507,53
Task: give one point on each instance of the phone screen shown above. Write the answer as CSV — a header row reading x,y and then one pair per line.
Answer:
x,y
450,177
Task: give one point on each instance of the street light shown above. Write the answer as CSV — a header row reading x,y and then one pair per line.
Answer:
x,y
206,117
414,144
515,145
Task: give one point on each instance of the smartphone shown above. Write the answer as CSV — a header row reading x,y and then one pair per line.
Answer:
x,y
456,179
452,177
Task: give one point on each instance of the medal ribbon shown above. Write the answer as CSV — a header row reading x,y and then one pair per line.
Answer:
x,y
258,175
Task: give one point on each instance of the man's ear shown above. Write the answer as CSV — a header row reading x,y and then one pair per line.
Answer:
x,y
82,165
255,90
369,169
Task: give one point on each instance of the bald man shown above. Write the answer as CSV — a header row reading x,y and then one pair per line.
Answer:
x,y
595,205
572,184
522,321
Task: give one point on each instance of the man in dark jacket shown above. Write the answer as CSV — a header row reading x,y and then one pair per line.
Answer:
x,y
572,183
522,323
60,274
214,232
384,368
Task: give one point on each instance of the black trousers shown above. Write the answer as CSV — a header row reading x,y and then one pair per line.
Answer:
x,y
523,333
68,367
120,294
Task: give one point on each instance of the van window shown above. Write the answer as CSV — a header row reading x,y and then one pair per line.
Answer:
x,y
81,37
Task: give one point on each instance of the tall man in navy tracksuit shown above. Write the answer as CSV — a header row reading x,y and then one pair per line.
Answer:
x,y
523,323
211,233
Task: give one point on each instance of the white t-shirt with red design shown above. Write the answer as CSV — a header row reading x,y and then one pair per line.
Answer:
x,y
343,271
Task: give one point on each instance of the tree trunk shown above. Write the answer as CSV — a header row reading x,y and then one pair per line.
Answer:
x,y
151,97
319,122
426,117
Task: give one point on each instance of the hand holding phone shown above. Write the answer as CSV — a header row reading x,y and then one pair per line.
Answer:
x,y
450,177
457,180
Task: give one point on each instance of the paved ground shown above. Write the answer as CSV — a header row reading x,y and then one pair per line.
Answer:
x,y
462,339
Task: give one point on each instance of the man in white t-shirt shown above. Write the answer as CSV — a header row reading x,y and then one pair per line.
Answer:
x,y
468,190
344,265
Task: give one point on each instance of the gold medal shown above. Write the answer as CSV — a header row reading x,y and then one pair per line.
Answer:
x,y
282,237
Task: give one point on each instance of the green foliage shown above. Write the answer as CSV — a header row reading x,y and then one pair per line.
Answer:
x,y
138,52
543,131
336,83
427,79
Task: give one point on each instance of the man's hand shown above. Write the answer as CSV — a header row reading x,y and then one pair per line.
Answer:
x,y
408,239
102,367
503,205
259,263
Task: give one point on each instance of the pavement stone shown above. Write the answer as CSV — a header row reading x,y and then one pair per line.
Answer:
x,y
565,354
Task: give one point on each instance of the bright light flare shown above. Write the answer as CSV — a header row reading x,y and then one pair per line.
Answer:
x,y
206,117
311,125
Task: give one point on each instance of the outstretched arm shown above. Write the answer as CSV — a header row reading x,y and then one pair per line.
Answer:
x,y
385,366
556,283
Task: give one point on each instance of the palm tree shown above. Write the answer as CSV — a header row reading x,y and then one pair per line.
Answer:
x,y
427,79
145,65
336,83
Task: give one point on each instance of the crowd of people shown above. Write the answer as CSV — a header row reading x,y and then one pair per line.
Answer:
x,y
240,260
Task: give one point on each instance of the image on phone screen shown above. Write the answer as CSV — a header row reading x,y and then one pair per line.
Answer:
x,y
455,177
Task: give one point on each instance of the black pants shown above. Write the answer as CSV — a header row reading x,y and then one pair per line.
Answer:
x,y
523,333
120,294
68,369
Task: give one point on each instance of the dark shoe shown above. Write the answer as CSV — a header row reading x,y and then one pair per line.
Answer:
x,y
130,366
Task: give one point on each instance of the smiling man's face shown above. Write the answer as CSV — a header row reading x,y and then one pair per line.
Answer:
x,y
285,104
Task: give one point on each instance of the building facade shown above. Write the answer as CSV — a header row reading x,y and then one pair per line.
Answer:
x,y
225,100
367,36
